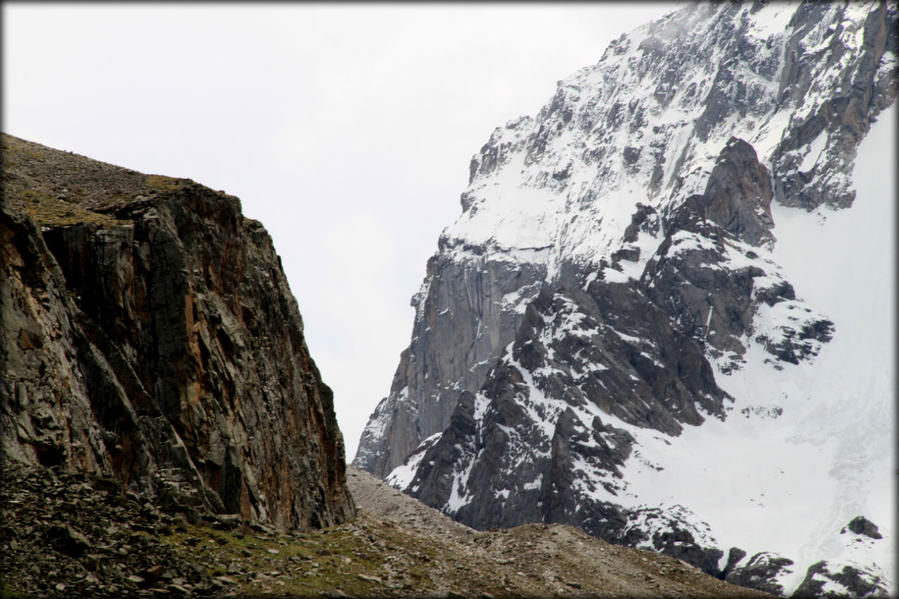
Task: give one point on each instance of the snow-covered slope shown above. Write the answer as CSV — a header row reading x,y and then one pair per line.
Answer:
x,y
806,447
665,313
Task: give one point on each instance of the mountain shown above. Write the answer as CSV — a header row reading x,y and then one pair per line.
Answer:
x,y
665,313
165,432
149,337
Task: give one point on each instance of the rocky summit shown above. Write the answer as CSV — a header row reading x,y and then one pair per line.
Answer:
x,y
149,337
649,321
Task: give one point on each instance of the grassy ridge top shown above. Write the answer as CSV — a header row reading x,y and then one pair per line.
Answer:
x,y
58,188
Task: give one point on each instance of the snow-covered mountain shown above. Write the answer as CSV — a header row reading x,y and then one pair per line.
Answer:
x,y
666,312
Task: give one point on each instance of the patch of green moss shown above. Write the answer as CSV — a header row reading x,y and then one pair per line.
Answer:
x,y
8,593
14,150
161,183
47,209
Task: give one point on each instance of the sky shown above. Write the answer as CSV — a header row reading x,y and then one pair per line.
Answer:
x,y
346,129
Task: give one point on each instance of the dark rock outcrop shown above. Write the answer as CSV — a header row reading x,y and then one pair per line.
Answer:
x,y
149,335
824,581
458,363
759,572
862,526
738,195
844,117
526,457
712,284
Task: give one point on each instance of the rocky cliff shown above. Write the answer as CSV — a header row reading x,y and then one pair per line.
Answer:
x,y
614,308
149,335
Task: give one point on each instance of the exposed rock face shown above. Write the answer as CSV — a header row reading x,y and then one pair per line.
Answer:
x,y
481,324
738,194
862,526
569,223
149,334
760,572
614,259
512,449
828,582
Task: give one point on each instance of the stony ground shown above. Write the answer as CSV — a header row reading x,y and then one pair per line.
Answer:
x,y
66,535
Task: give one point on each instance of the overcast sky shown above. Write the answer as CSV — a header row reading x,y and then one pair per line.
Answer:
x,y
347,129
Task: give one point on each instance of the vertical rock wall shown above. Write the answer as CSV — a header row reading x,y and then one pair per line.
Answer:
x,y
149,333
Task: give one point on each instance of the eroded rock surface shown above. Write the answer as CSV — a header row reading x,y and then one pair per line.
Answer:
x,y
149,335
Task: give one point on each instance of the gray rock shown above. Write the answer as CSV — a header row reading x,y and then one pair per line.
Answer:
x,y
455,335
760,572
738,195
848,581
513,347
862,526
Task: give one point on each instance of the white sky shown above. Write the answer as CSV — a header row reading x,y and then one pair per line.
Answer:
x,y
346,129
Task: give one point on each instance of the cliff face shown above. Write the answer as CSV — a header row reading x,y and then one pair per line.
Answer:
x,y
700,119
149,334
618,306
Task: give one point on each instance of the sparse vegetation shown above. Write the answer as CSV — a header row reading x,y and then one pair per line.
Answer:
x,y
61,188
49,210
161,183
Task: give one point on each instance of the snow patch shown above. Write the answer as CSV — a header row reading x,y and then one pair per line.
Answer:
x,y
815,149
772,20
